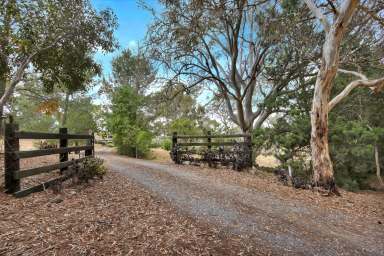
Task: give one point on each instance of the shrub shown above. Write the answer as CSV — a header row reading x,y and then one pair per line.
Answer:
x,y
45,144
166,144
184,126
143,142
92,167
126,123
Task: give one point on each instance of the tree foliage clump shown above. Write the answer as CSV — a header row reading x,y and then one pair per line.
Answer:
x,y
356,131
126,122
36,110
352,151
53,38
356,127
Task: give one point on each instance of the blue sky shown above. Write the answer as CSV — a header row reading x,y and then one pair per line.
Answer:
x,y
133,21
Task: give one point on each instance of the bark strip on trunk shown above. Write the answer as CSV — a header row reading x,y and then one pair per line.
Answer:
x,y
322,163
378,171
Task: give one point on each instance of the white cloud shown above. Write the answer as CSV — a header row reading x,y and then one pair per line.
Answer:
x,y
132,45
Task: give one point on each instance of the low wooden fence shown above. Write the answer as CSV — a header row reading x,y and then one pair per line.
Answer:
x,y
12,154
215,149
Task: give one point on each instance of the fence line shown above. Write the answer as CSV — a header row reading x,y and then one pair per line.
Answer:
x,y
12,156
241,158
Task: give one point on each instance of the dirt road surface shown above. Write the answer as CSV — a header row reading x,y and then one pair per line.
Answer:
x,y
288,227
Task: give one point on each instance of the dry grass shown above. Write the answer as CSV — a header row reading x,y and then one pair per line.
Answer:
x,y
267,161
159,155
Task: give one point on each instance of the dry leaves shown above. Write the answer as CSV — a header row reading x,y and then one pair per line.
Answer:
x,y
107,217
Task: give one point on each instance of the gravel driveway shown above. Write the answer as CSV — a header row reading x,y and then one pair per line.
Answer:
x,y
288,227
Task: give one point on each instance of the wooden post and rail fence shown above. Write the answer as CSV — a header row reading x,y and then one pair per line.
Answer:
x,y
12,154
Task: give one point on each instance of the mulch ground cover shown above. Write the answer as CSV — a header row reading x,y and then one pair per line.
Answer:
x,y
107,217
114,216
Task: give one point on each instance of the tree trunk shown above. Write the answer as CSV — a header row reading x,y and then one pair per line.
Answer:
x,y
2,90
378,172
65,113
321,160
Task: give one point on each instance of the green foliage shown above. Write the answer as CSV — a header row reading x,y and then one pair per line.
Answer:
x,y
355,126
175,109
26,111
352,150
59,46
143,142
81,116
166,144
288,141
184,126
288,137
36,110
126,123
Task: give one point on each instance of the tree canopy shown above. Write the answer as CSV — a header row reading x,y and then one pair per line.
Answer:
x,y
53,38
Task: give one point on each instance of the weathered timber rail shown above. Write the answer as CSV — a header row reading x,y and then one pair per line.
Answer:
x,y
13,174
216,149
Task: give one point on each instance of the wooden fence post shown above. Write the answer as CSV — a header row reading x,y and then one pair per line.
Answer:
x,y
174,147
11,160
174,139
93,144
63,144
248,141
89,152
209,140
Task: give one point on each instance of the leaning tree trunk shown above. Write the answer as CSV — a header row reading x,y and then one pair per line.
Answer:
x,y
321,160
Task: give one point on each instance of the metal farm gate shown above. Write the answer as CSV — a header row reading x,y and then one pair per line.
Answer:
x,y
227,150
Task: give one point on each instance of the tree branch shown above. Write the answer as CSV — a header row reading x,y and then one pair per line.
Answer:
x,y
355,73
318,14
375,85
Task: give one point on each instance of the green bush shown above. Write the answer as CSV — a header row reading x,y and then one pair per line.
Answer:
x,y
92,167
184,126
143,142
166,144
126,123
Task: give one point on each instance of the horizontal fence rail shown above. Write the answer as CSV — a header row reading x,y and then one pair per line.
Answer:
x,y
13,154
212,136
40,187
224,143
44,169
50,151
41,135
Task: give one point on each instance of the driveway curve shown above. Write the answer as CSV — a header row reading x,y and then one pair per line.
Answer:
x,y
286,227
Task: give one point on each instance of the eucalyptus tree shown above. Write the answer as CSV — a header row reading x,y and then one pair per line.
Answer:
x,y
248,52
53,38
336,19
